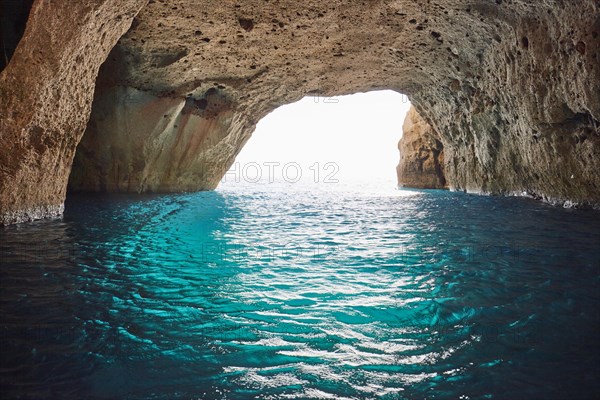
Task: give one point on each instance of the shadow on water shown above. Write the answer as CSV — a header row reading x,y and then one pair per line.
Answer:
x,y
88,300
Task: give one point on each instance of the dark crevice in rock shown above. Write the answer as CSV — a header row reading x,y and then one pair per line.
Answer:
x,y
246,24
168,57
438,158
13,19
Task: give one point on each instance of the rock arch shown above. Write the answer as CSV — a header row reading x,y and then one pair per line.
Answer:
x,y
508,87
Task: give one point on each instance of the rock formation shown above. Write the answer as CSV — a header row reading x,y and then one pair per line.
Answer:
x,y
510,88
421,155
138,142
46,95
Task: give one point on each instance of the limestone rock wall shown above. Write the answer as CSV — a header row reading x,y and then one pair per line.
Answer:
x,y
421,155
525,121
138,142
511,87
46,94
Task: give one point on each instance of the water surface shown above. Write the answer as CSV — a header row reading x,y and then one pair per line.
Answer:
x,y
284,294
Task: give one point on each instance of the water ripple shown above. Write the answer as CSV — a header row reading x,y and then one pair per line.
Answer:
x,y
277,295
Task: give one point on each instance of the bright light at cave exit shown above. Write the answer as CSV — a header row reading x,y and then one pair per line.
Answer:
x,y
345,140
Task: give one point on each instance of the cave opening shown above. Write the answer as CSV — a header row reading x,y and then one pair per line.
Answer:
x,y
324,142
310,291
347,140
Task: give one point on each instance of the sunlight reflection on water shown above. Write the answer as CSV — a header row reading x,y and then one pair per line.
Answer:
x,y
296,294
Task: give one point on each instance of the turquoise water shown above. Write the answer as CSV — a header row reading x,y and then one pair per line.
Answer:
x,y
292,294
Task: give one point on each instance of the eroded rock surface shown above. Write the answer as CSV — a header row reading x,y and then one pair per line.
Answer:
x,y
46,95
511,87
421,155
139,142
